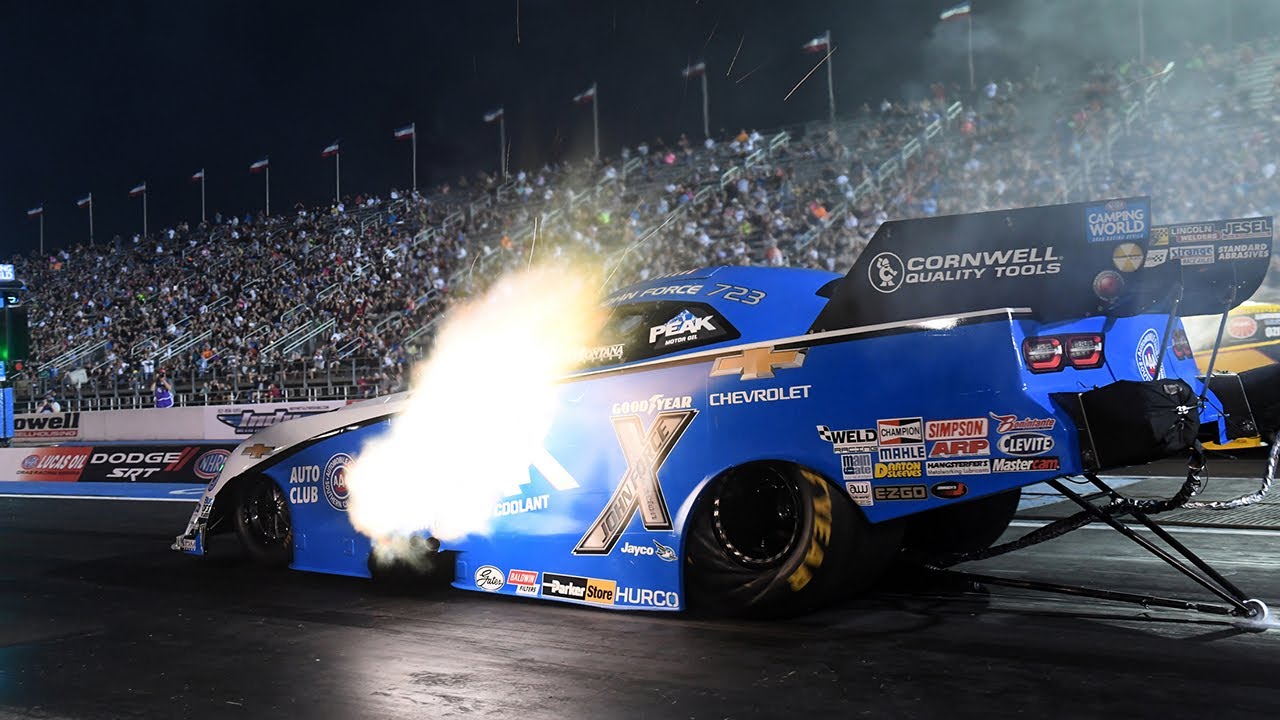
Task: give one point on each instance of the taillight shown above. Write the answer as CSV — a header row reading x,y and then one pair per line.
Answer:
x,y
1084,351
1053,353
1042,354
1181,346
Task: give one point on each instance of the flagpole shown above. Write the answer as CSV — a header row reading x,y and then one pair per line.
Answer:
x,y
203,219
337,177
1142,34
706,113
595,118
502,143
90,219
415,157
42,230
831,91
144,212
268,169
972,85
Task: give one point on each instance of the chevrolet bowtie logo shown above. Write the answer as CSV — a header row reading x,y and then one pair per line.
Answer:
x,y
757,363
257,451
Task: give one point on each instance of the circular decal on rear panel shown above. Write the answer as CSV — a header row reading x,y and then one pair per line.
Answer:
x,y
1127,257
1242,327
335,481
885,272
1147,354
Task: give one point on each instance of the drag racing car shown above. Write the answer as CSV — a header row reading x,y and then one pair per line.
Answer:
x,y
763,440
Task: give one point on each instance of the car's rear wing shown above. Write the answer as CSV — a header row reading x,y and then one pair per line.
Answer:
x,y
1061,261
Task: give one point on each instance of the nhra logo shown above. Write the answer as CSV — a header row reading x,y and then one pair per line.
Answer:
x,y
248,422
335,481
210,464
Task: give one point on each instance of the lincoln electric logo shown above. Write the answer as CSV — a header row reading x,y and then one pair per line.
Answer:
x,y
248,422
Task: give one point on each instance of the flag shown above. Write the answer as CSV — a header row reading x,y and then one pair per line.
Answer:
x,y
818,44
694,70
260,165
586,96
35,211
85,201
330,151
139,189
493,115
199,176
404,132
957,11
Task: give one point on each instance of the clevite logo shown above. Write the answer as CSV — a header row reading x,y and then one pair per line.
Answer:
x,y
955,429
1011,423
888,272
489,578
843,441
655,403
900,431
1025,444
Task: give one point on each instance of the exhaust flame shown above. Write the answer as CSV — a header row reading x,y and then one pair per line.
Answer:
x,y
495,364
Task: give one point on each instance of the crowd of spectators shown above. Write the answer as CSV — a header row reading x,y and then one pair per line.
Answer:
x,y
248,308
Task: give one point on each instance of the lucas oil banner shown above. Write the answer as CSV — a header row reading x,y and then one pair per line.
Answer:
x,y
194,464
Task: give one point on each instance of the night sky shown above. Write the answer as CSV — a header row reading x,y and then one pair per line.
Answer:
x,y
101,96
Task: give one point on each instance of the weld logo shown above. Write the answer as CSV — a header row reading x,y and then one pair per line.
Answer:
x,y
843,441
639,490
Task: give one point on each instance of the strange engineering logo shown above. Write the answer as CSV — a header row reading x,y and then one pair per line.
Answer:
x,y
639,490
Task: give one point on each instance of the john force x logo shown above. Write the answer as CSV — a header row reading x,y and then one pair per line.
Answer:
x,y
639,489
757,363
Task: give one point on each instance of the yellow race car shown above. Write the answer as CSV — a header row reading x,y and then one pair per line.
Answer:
x,y
1251,339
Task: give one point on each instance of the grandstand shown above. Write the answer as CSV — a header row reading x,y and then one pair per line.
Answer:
x,y
336,302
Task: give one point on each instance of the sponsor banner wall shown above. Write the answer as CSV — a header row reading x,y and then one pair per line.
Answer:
x,y
193,424
195,464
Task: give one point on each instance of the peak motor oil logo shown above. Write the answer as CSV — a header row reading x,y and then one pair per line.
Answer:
x,y
684,327
335,481
639,490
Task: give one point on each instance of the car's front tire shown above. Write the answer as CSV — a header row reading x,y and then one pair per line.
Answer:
x,y
263,522
774,539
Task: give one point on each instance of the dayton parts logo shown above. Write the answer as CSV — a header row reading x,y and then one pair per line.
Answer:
x,y
335,481
639,490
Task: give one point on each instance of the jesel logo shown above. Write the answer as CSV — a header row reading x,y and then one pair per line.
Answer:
x,y
639,489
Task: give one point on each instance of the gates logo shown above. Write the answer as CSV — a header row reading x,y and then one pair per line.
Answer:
x,y
489,578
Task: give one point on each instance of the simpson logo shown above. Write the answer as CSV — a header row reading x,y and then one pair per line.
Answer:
x,y
900,431
949,468
960,448
335,481
843,441
856,466
524,581
860,492
210,464
655,403
900,492
489,578
639,489
569,587
1029,465
955,429
1011,423
248,422
1025,444
897,453
1117,220
897,470
46,426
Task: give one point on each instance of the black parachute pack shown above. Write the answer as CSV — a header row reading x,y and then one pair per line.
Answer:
x,y
1130,422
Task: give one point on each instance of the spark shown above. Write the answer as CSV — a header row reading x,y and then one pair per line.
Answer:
x,y
749,72
633,246
537,225
517,22
713,34
735,55
806,75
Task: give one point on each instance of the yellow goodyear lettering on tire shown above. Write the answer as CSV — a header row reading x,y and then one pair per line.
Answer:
x,y
820,536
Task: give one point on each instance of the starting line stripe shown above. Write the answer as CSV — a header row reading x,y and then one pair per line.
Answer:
x,y
153,492
1174,529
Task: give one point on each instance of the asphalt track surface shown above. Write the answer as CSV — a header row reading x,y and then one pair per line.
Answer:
x,y
98,619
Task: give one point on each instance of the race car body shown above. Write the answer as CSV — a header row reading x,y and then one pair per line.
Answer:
x,y
759,437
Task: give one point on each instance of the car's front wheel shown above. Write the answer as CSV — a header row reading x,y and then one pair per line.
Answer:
x,y
263,522
773,539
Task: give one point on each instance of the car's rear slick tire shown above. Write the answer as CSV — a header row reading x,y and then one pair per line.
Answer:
x,y
774,539
263,521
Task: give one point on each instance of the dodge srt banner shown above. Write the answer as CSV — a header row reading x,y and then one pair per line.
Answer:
x,y
194,464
